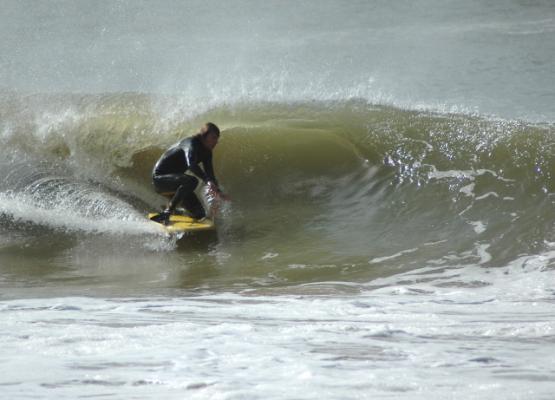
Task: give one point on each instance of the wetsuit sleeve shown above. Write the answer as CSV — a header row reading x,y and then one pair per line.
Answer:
x,y
209,168
193,162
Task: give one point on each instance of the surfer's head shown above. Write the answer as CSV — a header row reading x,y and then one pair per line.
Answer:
x,y
210,134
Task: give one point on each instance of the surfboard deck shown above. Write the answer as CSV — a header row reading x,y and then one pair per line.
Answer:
x,y
183,224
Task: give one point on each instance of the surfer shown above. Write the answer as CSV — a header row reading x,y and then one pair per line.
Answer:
x,y
177,173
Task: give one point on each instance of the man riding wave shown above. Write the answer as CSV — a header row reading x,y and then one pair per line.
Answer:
x,y
177,173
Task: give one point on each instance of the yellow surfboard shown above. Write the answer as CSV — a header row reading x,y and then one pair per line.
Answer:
x,y
183,224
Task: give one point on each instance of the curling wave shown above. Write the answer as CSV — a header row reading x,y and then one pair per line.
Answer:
x,y
350,173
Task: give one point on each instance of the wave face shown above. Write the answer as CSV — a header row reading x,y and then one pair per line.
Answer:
x,y
336,190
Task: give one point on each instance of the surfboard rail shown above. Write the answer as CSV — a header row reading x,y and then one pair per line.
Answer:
x,y
183,224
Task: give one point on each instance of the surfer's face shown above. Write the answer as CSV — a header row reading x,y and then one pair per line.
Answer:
x,y
210,141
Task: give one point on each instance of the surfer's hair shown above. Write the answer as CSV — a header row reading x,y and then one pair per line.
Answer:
x,y
208,128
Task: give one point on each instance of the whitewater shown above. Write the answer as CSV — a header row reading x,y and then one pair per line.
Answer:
x,y
390,233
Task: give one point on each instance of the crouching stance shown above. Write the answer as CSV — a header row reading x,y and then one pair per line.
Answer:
x,y
177,173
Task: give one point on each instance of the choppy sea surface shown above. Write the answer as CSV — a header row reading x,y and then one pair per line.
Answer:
x,y
390,233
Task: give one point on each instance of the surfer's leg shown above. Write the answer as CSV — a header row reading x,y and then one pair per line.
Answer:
x,y
185,195
177,198
168,184
193,205
184,187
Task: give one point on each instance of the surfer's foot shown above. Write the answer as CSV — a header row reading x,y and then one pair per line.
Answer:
x,y
162,218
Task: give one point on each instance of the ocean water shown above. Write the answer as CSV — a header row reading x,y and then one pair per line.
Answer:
x,y
390,233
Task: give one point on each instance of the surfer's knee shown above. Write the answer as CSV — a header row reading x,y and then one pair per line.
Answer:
x,y
189,182
194,182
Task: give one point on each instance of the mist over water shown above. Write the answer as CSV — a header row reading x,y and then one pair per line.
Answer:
x,y
473,57
391,170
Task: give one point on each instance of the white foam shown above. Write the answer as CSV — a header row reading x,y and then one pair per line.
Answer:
x,y
391,257
483,253
479,226
468,190
269,256
486,195
403,340
464,174
24,209
430,333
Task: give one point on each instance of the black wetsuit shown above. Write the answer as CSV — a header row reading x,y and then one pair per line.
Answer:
x,y
169,175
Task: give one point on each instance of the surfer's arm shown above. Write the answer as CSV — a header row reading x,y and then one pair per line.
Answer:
x,y
209,168
213,185
208,177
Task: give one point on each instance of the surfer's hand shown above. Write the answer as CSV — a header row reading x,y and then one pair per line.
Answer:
x,y
212,187
215,191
